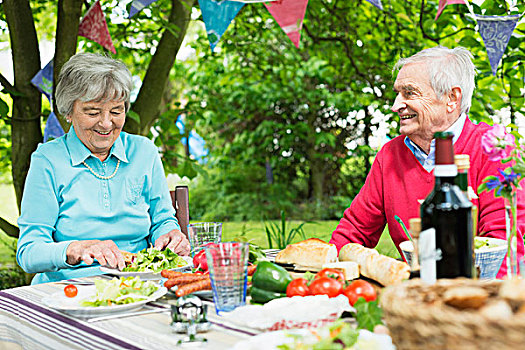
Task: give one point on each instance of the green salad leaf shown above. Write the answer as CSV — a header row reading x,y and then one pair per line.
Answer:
x,y
154,260
120,291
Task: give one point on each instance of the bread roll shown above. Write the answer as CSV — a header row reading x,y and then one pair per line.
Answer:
x,y
311,253
373,265
357,253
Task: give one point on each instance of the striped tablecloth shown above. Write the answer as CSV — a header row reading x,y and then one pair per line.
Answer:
x,y
25,323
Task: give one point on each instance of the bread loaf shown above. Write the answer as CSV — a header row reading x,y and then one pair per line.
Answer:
x,y
373,265
311,253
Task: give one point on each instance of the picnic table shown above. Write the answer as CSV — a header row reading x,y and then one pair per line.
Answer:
x,y
25,322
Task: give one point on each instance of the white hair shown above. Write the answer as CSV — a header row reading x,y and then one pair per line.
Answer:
x,y
447,68
92,77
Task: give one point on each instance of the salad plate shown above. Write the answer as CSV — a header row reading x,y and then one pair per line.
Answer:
x,y
76,306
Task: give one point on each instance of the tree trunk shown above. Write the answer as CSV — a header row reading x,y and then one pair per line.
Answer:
x,y
147,103
68,20
25,121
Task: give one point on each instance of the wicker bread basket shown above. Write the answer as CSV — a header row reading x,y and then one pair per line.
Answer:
x,y
418,318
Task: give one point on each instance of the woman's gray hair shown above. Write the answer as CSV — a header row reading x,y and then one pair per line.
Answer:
x,y
447,68
92,77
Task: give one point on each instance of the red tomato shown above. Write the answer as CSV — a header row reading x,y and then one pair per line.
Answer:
x,y
331,273
298,286
327,286
199,261
70,291
360,288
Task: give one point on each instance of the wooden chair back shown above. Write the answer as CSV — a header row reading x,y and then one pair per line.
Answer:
x,y
181,203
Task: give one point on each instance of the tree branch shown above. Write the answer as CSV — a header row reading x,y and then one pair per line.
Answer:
x,y
10,229
5,83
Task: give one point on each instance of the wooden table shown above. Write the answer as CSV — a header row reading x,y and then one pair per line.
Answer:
x,y
26,323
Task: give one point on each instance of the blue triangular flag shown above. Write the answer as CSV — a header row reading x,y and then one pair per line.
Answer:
x,y
53,128
376,3
496,32
43,81
217,15
138,5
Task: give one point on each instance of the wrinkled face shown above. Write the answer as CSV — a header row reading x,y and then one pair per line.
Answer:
x,y
421,112
98,124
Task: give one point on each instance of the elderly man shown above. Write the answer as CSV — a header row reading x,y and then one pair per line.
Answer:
x,y
434,91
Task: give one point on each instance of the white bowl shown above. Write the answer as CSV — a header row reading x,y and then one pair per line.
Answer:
x,y
488,260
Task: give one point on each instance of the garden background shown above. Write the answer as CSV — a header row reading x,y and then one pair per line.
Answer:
x,y
272,128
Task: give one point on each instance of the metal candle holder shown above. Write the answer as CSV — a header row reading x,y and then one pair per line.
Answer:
x,y
188,316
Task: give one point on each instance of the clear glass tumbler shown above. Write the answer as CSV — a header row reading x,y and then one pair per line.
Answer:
x,y
201,233
228,266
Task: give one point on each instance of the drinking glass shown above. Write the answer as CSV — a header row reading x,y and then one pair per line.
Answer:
x,y
228,266
201,233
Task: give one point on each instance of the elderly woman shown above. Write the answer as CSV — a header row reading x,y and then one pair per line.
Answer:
x,y
96,189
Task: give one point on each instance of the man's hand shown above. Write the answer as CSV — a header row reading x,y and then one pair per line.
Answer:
x,y
174,240
106,253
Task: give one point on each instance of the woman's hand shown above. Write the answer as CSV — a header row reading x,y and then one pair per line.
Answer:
x,y
174,240
106,252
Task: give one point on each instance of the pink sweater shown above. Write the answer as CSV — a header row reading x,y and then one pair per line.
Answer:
x,y
397,180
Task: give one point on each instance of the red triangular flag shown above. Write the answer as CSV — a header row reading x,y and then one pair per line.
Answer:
x,y
94,27
443,3
290,15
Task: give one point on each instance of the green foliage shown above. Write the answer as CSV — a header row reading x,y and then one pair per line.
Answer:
x,y
368,314
279,236
11,275
239,194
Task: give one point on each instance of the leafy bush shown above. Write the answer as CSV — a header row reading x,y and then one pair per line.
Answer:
x,y
12,275
237,195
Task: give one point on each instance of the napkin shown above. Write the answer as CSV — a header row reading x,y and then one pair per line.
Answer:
x,y
287,313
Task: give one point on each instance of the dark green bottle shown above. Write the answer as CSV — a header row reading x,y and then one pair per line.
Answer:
x,y
448,210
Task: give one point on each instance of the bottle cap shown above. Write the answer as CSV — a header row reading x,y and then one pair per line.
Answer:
x,y
462,161
415,227
444,148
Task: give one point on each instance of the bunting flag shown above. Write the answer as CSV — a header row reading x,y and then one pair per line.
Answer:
x,y
289,14
53,129
217,15
443,3
138,5
94,27
376,3
43,81
496,32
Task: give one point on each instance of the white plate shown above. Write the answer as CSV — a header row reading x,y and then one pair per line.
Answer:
x,y
71,306
145,275
271,340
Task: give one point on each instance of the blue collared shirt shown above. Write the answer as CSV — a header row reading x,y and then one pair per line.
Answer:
x,y
428,160
64,202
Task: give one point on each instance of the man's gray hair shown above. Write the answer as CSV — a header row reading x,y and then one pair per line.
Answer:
x,y
92,77
447,68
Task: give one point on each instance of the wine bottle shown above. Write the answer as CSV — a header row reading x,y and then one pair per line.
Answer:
x,y
448,211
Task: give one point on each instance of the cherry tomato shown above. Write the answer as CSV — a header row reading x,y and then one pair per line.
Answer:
x,y
360,288
332,273
298,286
70,291
327,286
